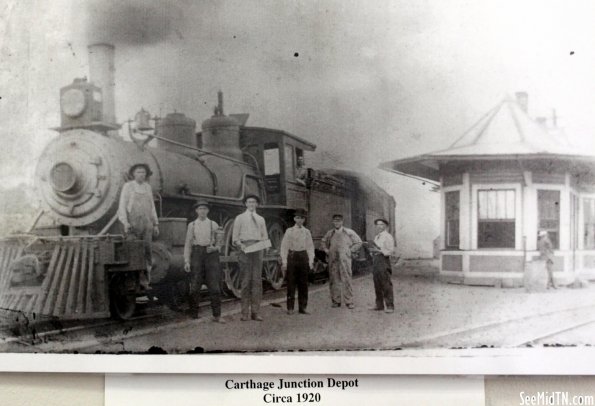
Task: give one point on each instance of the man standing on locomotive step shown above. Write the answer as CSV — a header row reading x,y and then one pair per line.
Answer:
x,y
248,229
137,213
381,250
201,260
339,243
546,253
297,258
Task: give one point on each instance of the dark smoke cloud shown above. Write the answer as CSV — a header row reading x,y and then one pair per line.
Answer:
x,y
133,22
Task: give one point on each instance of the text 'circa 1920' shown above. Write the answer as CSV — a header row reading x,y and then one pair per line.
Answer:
x,y
283,390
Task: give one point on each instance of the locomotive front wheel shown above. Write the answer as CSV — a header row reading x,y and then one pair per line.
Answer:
x,y
122,297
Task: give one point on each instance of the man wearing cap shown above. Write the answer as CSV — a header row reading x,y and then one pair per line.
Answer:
x,y
381,250
297,258
137,213
546,253
339,243
250,228
201,259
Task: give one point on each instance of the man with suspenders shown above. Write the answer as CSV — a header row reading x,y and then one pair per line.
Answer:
x,y
201,259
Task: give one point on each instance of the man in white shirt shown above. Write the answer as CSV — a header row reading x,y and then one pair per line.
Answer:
x,y
297,258
137,213
250,228
381,250
201,260
339,243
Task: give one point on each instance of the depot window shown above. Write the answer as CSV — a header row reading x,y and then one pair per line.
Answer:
x,y
589,222
548,209
451,201
496,218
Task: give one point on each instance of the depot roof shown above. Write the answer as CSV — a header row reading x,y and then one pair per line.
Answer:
x,y
504,132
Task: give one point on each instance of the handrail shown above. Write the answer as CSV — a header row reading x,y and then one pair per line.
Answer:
x,y
180,144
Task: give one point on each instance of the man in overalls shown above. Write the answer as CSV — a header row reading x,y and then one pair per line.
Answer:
x,y
339,243
381,250
137,214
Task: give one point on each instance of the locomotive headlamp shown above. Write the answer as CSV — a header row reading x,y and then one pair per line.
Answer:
x,y
73,102
63,177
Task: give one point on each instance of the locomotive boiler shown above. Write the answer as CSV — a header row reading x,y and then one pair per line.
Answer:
x,y
84,267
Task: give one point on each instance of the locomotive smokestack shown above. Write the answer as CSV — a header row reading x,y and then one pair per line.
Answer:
x,y
102,71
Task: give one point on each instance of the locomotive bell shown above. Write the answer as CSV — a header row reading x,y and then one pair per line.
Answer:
x,y
141,119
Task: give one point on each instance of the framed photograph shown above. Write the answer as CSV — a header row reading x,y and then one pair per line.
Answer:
x,y
331,187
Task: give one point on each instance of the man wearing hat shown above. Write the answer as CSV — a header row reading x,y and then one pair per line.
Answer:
x,y
201,259
339,243
250,228
137,213
297,258
381,250
546,253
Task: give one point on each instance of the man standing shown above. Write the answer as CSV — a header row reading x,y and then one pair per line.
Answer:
x,y
546,253
201,259
297,258
137,213
381,250
339,243
249,229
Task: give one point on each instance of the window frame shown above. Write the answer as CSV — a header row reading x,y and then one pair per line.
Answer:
x,y
445,224
581,223
267,147
475,188
538,222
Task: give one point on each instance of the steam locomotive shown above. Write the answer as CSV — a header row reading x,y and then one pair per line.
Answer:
x,y
83,267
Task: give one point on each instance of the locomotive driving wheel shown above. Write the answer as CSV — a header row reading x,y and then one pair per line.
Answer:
x,y
273,273
232,283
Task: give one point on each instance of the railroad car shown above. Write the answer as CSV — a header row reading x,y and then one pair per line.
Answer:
x,y
83,267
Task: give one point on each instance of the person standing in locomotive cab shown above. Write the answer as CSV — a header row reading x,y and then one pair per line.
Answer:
x,y
339,243
201,260
250,236
381,250
137,213
301,172
297,258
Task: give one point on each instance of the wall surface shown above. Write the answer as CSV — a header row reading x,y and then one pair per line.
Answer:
x,y
18,389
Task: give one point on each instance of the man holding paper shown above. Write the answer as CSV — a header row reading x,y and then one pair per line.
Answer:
x,y
251,237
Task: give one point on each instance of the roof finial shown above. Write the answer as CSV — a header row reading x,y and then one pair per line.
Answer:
x,y
220,102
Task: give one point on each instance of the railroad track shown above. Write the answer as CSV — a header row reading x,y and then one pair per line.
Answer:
x,y
522,331
44,335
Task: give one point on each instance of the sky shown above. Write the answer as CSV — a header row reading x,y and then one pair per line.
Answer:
x,y
366,81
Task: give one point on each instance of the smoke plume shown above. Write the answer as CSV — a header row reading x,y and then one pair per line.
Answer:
x,y
132,22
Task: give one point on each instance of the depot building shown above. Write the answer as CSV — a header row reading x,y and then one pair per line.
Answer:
x,y
503,180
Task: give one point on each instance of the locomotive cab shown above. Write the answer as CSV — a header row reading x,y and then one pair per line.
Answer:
x,y
279,156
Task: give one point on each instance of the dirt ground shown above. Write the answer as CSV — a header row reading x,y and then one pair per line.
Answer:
x,y
424,307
